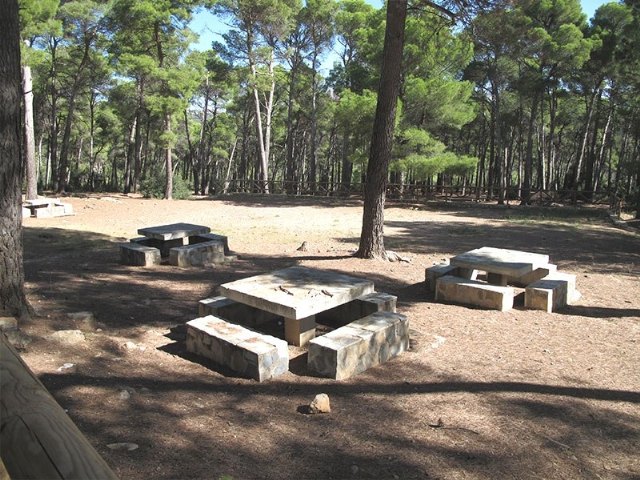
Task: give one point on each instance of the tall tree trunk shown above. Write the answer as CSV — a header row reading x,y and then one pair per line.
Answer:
x,y
29,136
168,191
372,234
12,298
528,158
313,154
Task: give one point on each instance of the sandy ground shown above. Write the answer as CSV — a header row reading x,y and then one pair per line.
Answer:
x,y
481,394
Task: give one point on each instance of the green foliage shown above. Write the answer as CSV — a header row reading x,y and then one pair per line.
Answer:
x,y
153,186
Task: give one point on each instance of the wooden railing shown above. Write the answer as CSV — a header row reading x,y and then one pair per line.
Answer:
x,y
37,438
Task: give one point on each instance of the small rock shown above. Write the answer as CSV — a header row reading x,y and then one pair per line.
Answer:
x,y
124,395
320,404
83,320
303,247
123,446
69,337
354,469
68,368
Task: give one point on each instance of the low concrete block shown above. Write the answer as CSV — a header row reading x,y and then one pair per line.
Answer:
x,y
433,273
139,255
534,276
551,292
42,212
26,212
362,344
164,246
248,353
360,307
472,292
235,312
207,237
197,254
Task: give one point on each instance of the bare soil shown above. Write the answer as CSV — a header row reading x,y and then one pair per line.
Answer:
x,y
481,394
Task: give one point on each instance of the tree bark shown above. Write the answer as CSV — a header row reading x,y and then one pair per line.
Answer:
x,y
168,192
12,298
372,234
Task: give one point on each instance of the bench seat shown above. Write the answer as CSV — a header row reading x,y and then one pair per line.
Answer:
x,y
139,255
433,273
473,292
551,292
197,254
245,352
361,344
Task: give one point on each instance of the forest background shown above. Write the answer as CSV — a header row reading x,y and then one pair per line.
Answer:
x,y
524,97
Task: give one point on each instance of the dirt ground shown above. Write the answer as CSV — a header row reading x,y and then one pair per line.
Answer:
x,y
481,394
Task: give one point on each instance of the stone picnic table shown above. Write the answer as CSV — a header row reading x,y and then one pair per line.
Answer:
x,y
173,231
500,264
297,294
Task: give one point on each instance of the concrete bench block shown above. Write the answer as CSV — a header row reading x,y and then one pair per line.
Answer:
x,y
26,212
245,352
433,273
207,237
534,276
362,344
360,307
235,312
551,292
197,254
139,255
472,292
164,246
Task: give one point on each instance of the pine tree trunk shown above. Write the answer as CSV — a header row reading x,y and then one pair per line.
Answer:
x,y
29,136
12,298
168,191
372,235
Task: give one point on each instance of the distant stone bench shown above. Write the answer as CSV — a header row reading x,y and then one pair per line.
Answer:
x,y
164,246
139,255
473,292
46,208
197,254
207,237
551,293
361,344
245,352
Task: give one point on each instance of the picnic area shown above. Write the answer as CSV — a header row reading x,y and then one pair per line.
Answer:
x,y
479,393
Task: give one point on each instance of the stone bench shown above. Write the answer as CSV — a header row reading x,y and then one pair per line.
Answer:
x,y
473,292
534,276
236,312
207,237
245,352
551,292
362,344
197,254
360,307
164,246
139,255
433,273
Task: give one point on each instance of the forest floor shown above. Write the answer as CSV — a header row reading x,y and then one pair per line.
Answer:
x,y
480,394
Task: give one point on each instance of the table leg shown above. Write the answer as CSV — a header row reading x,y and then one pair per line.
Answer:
x,y
468,273
299,332
497,279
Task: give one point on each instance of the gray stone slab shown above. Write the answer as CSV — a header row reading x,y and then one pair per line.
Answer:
x,y
551,292
207,237
534,276
431,274
358,308
139,255
472,292
512,263
197,254
244,351
354,348
297,292
174,230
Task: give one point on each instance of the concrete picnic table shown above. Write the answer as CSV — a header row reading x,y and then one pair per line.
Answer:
x,y
297,294
173,231
499,263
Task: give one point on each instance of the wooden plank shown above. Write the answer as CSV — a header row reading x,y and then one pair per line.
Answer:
x,y
38,439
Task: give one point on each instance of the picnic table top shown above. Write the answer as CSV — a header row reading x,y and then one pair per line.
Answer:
x,y
513,263
174,230
297,292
